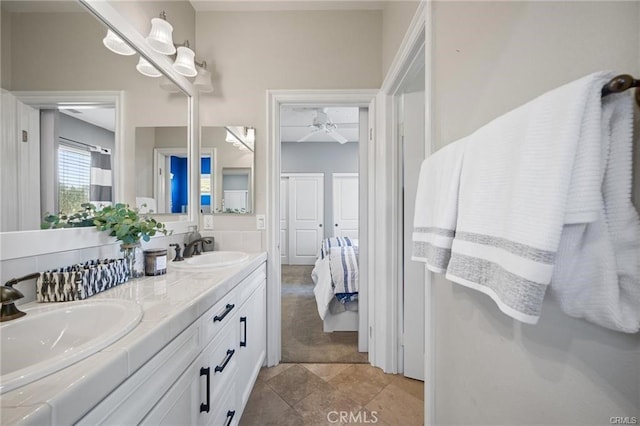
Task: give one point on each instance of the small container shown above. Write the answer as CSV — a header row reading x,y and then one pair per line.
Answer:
x,y
155,262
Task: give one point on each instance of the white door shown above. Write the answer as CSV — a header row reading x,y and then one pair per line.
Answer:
x,y
306,212
412,125
345,205
284,220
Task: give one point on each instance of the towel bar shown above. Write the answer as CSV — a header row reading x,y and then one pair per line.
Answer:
x,y
620,83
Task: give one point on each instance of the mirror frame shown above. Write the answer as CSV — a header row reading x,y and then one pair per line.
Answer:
x,y
19,244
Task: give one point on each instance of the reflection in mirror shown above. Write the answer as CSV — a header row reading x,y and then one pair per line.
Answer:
x,y
231,169
71,62
162,169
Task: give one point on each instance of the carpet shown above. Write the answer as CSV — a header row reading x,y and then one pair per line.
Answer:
x,y
303,340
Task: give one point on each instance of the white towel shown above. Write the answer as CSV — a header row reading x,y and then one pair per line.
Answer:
x,y
597,273
524,176
436,208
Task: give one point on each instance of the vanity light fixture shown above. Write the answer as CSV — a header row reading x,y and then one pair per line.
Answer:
x,y
185,61
231,138
145,68
115,44
203,80
160,37
168,85
250,133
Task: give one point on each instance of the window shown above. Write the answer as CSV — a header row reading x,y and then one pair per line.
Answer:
x,y
74,174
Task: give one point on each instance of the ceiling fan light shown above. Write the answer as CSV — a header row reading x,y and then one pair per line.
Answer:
x,y
185,62
115,44
203,81
145,68
160,37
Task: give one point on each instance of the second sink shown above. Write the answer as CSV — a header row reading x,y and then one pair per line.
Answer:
x,y
54,336
212,259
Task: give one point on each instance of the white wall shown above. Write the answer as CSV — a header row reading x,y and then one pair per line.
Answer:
x,y
396,17
251,52
490,369
321,157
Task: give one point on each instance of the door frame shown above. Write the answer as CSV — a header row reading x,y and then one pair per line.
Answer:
x,y
419,35
302,175
275,99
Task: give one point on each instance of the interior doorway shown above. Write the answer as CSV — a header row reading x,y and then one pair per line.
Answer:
x,y
318,233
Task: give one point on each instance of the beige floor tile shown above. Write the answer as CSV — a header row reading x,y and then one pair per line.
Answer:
x,y
265,407
326,371
361,385
325,407
397,407
411,386
267,373
295,383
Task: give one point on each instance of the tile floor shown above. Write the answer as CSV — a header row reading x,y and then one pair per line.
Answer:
x,y
319,394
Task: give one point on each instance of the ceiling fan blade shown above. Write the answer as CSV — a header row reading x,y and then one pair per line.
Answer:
x,y
307,136
337,136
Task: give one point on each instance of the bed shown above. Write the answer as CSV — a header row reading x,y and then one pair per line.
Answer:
x,y
336,280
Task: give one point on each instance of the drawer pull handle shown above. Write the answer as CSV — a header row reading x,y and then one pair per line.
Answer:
x,y
205,372
220,368
227,309
243,320
230,415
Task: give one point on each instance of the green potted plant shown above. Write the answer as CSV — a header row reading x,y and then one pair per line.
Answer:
x,y
121,221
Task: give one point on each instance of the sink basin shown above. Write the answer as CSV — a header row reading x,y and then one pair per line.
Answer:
x,y
53,336
212,259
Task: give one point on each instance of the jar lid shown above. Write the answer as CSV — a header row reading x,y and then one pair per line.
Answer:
x,y
156,251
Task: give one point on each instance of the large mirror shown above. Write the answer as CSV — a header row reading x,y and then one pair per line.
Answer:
x,y
74,109
226,169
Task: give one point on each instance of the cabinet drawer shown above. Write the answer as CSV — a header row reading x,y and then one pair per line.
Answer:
x,y
219,315
221,357
250,283
226,412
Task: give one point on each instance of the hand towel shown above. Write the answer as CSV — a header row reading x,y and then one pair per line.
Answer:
x,y
524,176
436,209
597,273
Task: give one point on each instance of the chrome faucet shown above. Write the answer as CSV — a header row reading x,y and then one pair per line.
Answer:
x,y
195,247
8,296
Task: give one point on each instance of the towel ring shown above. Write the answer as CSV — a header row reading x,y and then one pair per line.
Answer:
x,y
620,83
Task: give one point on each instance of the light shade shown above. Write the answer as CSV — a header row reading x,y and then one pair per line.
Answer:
x,y
184,63
230,138
117,45
168,85
251,135
202,82
145,68
160,37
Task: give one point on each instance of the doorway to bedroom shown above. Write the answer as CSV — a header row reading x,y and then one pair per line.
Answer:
x,y
319,183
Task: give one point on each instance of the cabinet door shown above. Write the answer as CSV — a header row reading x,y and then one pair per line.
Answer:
x,y
186,401
252,341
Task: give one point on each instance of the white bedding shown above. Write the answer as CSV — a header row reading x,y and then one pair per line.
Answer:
x,y
323,289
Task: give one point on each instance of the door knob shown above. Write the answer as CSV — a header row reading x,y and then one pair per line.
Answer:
x,y
320,225
336,224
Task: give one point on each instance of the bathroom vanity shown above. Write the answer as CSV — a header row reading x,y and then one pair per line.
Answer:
x,y
192,359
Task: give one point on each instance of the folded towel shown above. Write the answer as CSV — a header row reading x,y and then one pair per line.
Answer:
x,y
436,208
597,273
344,272
524,176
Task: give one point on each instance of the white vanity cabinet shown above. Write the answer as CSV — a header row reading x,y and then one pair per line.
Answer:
x,y
205,375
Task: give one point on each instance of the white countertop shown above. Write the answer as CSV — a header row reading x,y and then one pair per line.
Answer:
x,y
170,303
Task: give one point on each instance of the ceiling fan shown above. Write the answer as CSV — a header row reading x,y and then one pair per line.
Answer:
x,y
322,123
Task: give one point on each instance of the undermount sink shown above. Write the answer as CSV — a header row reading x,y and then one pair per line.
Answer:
x,y
54,336
212,259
